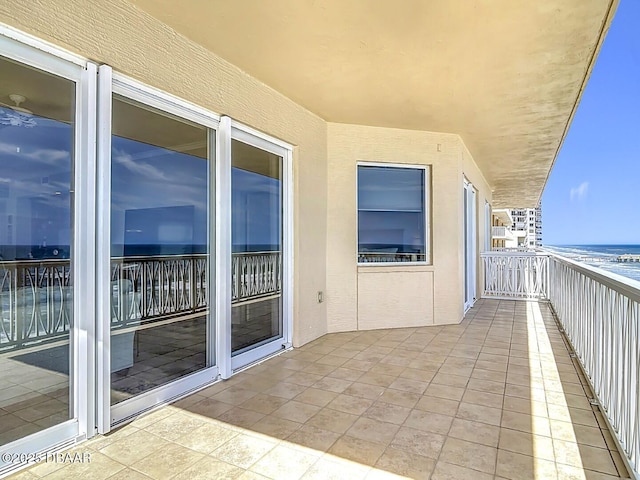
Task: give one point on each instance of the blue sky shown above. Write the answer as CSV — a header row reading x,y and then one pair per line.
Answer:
x,y
593,192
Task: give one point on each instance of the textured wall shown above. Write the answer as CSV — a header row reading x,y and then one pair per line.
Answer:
x,y
138,45
440,283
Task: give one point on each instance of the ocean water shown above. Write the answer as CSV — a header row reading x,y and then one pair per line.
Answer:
x,y
605,256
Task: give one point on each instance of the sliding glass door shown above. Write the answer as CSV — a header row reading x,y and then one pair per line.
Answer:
x,y
161,226
259,249
44,247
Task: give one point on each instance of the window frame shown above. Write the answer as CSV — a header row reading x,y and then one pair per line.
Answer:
x,y
427,213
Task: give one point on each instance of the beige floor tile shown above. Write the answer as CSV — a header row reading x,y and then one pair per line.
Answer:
x,y
129,474
210,468
411,386
526,423
240,417
443,378
469,455
365,390
208,408
585,456
421,375
285,390
101,441
331,384
357,450
419,442
332,420
346,374
234,395
314,396
378,379
265,404
405,463
475,432
134,447
445,391
516,467
481,374
100,467
438,405
275,427
578,433
397,397
304,378
296,411
330,467
527,444
488,386
479,413
168,462
350,404
373,430
486,399
207,438
387,412
243,450
175,426
285,463
447,471
313,437
319,369
429,422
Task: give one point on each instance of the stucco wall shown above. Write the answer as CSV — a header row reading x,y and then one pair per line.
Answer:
x,y
325,156
138,45
362,297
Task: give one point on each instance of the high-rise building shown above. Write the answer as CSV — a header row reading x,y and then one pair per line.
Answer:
x,y
527,226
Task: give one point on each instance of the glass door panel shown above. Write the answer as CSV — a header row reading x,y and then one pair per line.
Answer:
x,y
37,123
257,239
159,248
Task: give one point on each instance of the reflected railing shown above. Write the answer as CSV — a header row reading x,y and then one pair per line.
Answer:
x,y
36,295
599,313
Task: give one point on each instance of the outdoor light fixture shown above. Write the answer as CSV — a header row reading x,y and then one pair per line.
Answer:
x,y
15,115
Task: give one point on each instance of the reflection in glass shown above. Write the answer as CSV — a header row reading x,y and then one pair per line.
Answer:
x,y
391,214
159,248
256,218
36,287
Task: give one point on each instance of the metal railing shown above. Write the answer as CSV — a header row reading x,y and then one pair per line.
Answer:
x,y
501,232
255,274
35,302
36,295
515,275
600,314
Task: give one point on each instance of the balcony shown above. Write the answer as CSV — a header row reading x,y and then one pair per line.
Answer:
x,y
502,394
502,233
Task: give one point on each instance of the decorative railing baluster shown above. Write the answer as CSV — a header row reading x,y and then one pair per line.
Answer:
x,y
36,295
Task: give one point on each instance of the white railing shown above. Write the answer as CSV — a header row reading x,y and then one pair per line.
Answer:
x,y
600,314
36,295
502,233
515,275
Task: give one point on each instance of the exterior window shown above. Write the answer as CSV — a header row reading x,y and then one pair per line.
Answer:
x,y
392,214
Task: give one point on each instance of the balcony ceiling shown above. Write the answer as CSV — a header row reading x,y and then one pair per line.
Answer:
x,y
505,75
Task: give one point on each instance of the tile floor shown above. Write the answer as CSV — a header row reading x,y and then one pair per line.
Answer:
x,y
494,397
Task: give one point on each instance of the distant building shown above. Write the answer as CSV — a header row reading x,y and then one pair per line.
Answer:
x,y
527,227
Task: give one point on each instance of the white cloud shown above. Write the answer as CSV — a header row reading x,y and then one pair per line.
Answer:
x,y
579,192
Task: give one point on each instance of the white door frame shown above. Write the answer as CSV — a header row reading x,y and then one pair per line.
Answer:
x,y
242,133
108,415
469,244
41,56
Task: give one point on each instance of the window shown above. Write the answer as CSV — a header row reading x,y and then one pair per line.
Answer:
x,y
392,213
